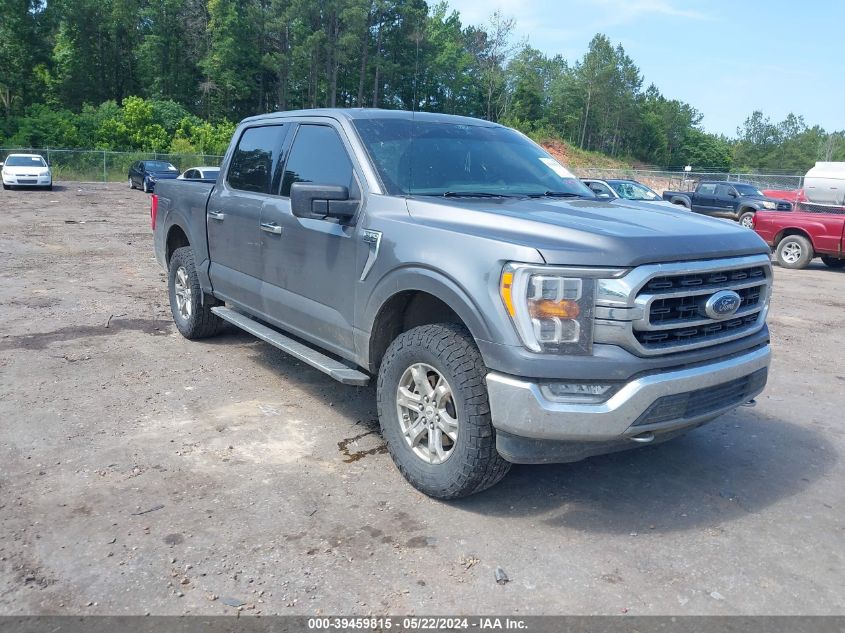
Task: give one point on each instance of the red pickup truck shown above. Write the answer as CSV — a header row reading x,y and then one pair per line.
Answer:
x,y
799,236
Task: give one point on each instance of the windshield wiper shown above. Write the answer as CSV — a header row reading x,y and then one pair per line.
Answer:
x,y
475,194
556,194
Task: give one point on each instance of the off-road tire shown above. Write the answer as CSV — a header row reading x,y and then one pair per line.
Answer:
x,y
833,262
790,242
746,218
202,322
474,464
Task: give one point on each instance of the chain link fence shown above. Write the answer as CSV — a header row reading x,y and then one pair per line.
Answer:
x,y
106,166
665,180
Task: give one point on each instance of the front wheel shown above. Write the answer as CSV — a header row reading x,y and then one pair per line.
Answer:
x,y
131,184
833,262
434,412
193,316
794,251
747,220
145,186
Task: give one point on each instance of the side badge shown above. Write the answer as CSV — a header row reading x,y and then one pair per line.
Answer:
x,y
373,240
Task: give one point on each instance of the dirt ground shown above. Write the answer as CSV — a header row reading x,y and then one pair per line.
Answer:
x,y
143,473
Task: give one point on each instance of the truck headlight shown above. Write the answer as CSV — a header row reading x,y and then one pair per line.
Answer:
x,y
552,307
770,205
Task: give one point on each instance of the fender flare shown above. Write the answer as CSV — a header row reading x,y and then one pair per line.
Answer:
x,y
420,278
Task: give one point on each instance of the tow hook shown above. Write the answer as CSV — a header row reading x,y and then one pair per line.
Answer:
x,y
750,403
643,438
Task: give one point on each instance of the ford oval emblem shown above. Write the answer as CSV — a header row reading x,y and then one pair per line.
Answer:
x,y
722,304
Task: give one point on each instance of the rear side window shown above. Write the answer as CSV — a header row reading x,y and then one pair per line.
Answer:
x,y
707,190
317,156
256,158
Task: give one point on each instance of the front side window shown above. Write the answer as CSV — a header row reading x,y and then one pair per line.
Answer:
x,y
317,156
256,158
600,189
748,190
723,191
437,158
633,191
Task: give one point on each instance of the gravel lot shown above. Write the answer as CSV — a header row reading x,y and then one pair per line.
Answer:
x,y
143,473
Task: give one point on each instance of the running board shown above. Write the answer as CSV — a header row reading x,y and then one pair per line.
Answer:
x,y
303,352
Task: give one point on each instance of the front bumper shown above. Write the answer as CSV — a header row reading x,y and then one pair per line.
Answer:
x,y
27,181
530,428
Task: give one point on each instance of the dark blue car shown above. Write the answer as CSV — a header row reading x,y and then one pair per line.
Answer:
x,y
145,173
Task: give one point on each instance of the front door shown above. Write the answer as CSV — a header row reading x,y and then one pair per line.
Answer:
x,y
234,215
309,265
725,200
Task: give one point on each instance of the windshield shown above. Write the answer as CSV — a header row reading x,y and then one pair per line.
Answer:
x,y
633,190
25,161
748,190
159,165
437,159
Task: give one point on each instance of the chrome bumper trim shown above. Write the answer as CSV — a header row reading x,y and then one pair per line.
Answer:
x,y
518,407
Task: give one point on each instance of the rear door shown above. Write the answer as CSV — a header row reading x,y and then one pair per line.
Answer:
x,y
309,264
234,214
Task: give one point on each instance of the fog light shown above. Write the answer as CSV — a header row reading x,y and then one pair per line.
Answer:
x,y
577,392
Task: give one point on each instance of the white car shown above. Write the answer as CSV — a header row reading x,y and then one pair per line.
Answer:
x,y
26,170
206,174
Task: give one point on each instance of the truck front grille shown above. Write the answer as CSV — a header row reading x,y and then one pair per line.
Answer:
x,y
664,305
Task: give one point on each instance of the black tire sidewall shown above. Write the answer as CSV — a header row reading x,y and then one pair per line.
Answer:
x,y
183,258
468,468
806,252
833,262
392,431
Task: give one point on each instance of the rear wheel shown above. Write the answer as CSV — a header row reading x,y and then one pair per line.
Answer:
x,y
747,219
193,316
434,412
833,262
794,251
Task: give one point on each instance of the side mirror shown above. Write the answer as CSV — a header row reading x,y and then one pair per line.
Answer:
x,y
321,201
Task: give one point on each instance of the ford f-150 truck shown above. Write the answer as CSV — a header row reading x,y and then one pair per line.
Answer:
x,y
734,200
507,314
799,236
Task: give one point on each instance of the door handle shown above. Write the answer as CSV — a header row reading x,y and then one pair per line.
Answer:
x,y
271,227
216,215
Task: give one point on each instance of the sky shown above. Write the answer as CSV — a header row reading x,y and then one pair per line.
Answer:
x,y
724,58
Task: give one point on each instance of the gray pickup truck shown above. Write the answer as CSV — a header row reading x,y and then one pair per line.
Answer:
x,y
507,314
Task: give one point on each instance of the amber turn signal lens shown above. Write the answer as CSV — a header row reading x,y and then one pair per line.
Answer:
x,y
546,309
506,290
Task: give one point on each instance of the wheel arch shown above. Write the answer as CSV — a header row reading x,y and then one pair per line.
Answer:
x,y
792,230
410,298
177,237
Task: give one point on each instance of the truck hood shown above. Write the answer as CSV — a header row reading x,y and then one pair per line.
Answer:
x,y
615,233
